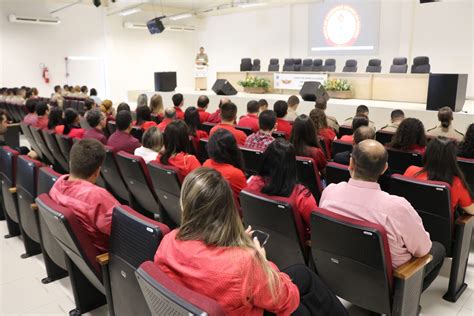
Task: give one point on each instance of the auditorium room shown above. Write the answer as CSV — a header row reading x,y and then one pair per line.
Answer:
x,y
237,157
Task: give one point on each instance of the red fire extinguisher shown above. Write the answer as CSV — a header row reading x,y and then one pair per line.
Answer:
x,y
46,74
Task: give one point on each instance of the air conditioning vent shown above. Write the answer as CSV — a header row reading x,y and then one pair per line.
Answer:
x,y
33,20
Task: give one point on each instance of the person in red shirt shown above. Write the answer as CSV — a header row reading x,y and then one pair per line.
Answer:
x,y
262,105
156,107
321,124
251,119
216,116
31,117
191,118
303,137
227,265
170,116
42,113
121,139
144,117
55,118
357,121
77,191
261,139
281,109
440,164
178,148
72,125
97,121
410,136
178,101
226,157
202,103
228,116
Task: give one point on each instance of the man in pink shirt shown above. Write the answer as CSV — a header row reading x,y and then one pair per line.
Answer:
x,y
361,198
251,119
42,112
91,204
31,117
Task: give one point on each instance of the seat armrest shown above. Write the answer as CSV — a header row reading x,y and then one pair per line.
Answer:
x,y
103,259
406,270
464,219
34,207
12,190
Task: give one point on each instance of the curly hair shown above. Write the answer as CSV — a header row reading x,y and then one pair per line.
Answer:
x,y
410,132
319,119
466,148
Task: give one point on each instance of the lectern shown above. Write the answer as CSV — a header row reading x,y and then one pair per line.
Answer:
x,y
446,90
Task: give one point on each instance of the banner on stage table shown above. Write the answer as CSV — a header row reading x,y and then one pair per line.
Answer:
x,y
294,81
200,71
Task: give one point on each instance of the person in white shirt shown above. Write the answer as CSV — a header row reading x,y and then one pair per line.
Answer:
x,y
152,142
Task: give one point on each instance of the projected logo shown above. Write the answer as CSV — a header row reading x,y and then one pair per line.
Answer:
x,y
341,26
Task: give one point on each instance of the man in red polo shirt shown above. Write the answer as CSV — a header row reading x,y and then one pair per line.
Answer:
x,y
216,116
228,116
170,116
178,102
202,103
251,119
42,113
281,109
122,139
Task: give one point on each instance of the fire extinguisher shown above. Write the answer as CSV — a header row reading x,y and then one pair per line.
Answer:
x,y
46,74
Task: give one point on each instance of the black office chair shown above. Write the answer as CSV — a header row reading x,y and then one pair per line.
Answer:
x,y
246,64
329,65
274,65
350,66
297,64
307,65
289,64
399,65
421,65
318,65
375,66
256,65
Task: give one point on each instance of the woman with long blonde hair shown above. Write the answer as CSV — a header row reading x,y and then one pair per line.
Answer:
x,y
156,106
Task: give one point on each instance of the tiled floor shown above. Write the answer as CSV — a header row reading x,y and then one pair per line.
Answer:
x,y
22,293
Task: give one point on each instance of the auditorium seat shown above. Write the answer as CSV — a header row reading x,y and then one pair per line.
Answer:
x,y
432,201
84,270
256,65
274,65
329,65
156,118
399,65
275,216
166,296
48,156
318,65
421,65
336,172
307,65
246,64
8,159
65,144
400,160
111,127
344,130
374,65
25,129
350,66
353,259
384,137
339,147
137,132
252,160
52,143
279,135
207,126
326,146
308,175
203,155
247,130
297,64
167,186
467,167
289,64
134,239
137,178
113,177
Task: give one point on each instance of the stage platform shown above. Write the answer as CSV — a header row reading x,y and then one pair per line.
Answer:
x,y
341,109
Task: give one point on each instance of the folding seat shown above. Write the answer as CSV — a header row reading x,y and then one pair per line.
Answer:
x,y
297,64
167,185
165,296
374,66
350,66
274,65
467,167
329,65
113,177
336,172
12,135
318,65
432,201
48,156
339,147
25,129
421,65
399,65
400,160
353,259
111,127
308,174
81,256
137,178
252,160
81,107
247,130
26,184
384,137
289,64
137,132
134,239
65,144
207,126
246,64
276,217
8,159
345,130
279,134
203,155
52,143
307,65
256,65
326,146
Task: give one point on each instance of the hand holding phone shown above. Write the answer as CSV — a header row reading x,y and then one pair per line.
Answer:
x,y
261,236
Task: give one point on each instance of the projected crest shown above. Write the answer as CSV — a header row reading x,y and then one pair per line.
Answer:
x,y
342,26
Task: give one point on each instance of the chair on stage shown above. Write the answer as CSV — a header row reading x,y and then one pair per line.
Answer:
x,y
350,66
274,65
421,65
318,65
329,65
289,64
8,160
399,65
297,64
374,66
467,167
384,137
256,65
246,64
307,65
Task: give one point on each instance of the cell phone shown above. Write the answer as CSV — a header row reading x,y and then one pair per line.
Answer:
x,y
261,236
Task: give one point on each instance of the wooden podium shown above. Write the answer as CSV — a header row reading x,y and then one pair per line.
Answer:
x,y
200,76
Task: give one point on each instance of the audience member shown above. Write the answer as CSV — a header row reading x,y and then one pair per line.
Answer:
x,y
191,118
77,191
97,122
202,104
261,139
228,117
123,106
55,118
357,121
57,97
361,110
250,120
156,106
142,100
281,109
332,122
396,117
360,134
144,118
262,105
200,257
445,128
89,104
152,143
361,198
71,125
65,91
216,116
93,96
178,102
409,136
293,102
3,130
321,125
31,117
107,108
84,92
440,164
42,112
34,93
466,147
170,116
178,148
121,139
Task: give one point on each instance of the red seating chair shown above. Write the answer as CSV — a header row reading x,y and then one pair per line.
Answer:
x,y
384,137
25,129
203,155
467,167
308,174
247,130
400,160
336,172
52,143
326,145
345,130
252,160
137,132
111,127
353,259
47,155
207,126
113,177
65,144
339,147
8,159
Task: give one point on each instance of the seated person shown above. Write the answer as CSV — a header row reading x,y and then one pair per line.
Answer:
x,y
72,125
152,143
122,139
321,104
216,116
123,106
144,117
357,122
156,106
293,102
77,191
178,102
361,110
281,109
97,122
251,119
410,136
191,118
261,139
202,104
360,134
177,149
262,105
142,100
31,117
466,147
445,127
55,118
321,124
440,164
226,157
107,108
170,116
228,117
277,177
361,198
42,113
396,117
227,260
303,137
3,130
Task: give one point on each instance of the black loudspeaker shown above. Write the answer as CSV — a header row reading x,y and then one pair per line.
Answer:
x,y
223,87
312,90
155,26
165,81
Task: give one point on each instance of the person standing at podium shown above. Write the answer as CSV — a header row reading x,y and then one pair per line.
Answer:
x,y
201,57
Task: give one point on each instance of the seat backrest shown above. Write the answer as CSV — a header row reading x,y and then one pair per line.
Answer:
x,y
207,126
25,129
111,127
297,64
52,143
168,297
246,64
399,65
400,160
8,159
318,65
432,201
339,147
421,65
27,175
276,217
203,155
308,175
113,177
38,136
247,130
289,64
350,66
345,130
256,65
467,167
374,66
274,65
137,132
353,259
46,179
279,134
330,65
307,65
252,160
384,137
336,172
65,144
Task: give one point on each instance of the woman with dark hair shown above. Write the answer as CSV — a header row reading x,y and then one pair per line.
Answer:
x,y
71,126
357,121
466,148
410,136
321,125
440,164
303,137
191,117
277,177
226,157
177,149
55,118
93,96
144,118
